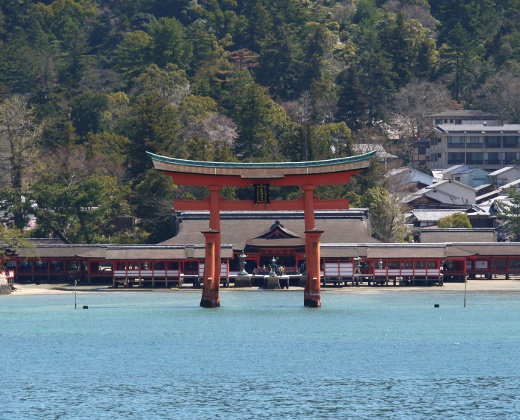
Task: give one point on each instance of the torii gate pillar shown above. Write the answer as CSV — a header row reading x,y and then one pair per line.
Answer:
x,y
312,293
212,263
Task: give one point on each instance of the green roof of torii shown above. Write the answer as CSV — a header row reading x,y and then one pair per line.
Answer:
x,y
262,165
319,172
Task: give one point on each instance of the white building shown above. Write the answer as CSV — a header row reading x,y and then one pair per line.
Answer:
x,y
489,147
505,175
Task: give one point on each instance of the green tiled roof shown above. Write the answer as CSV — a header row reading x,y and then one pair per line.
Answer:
x,y
263,165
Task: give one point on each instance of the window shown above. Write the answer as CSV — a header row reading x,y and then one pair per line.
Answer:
x,y
454,158
492,158
514,264
474,142
510,157
432,264
493,141
510,141
474,157
500,264
455,141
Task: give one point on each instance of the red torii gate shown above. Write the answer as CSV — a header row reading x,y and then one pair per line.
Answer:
x,y
216,175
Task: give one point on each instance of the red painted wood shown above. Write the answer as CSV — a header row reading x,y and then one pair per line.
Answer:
x,y
274,205
289,180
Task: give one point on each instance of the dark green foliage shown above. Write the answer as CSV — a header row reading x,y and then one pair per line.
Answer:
x,y
254,80
151,127
87,110
509,215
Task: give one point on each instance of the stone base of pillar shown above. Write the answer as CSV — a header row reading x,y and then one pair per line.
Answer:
x,y
312,301
272,282
209,303
243,281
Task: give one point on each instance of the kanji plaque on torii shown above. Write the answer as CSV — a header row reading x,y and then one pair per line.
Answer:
x,y
261,176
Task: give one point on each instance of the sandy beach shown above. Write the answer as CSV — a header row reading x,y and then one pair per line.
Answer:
x,y
471,286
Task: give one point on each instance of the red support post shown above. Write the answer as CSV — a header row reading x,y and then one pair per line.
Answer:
x,y
210,288
212,264
312,292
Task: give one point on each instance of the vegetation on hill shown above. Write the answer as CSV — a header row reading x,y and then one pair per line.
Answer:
x,y
87,87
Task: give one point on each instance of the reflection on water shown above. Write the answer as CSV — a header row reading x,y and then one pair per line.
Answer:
x,y
159,355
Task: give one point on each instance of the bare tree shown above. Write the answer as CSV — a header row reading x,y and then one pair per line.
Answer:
x,y
418,12
500,94
20,136
410,109
210,135
20,146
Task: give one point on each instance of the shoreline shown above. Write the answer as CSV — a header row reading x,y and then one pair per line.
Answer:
x,y
471,286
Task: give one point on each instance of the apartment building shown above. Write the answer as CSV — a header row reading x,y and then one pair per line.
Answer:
x,y
482,145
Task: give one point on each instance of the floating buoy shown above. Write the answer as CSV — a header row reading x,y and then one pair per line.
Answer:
x,y
85,307
436,305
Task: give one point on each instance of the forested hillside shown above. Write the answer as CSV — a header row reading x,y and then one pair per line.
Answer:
x,y
87,87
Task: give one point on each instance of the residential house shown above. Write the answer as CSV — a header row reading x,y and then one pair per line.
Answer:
x,y
474,177
422,218
505,175
498,192
446,193
409,177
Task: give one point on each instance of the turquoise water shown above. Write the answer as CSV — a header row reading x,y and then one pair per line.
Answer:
x,y
262,354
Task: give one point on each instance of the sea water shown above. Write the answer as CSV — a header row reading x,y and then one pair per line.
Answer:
x,y
145,355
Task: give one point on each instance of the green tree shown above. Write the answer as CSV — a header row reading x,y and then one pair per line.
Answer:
x,y
409,47
457,220
352,98
509,215
375,69
206,46
330,141
169,83
113,149
64,21
260,24
169,43
259,119
132,54
459,60
317,47
153,204
75,200
386,216
280,64
152,125
87,112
